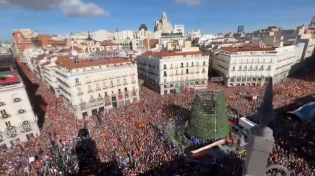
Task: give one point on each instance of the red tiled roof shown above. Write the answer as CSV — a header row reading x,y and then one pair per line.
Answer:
x,y
169,54
246,49
107,43
45,63
65,61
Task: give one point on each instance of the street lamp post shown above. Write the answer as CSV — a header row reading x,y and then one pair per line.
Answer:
x,y
261,140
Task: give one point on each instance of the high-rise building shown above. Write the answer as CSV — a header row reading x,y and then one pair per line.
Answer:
x,y
18,122
240,29
209,117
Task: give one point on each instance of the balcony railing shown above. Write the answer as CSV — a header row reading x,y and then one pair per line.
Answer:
x,y
26,128
93,102
11,131
100,100
90,90
83,106
108,102
105,87
80,93
98,88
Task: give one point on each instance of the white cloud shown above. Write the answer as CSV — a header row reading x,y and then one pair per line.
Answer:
x,y
189,2
73,8
4,4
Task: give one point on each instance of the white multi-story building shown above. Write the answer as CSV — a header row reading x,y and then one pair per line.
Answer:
x,y
196,33
29,53
173,72
171,38
251,65
143,34
90,87
123,35
59,37
18,122
29,33
179,28
102,35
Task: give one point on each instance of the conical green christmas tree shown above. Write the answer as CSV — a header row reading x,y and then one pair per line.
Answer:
x,y
208,122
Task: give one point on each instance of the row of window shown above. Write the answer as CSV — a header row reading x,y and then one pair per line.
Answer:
x,y
88,79
186,72
124,92
181,65
111,85
251,68
174,66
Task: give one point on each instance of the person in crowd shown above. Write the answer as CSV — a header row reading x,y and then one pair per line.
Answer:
x,y
126,132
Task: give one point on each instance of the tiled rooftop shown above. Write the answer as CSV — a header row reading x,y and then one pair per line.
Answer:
x,y
66,62
163,54
246,49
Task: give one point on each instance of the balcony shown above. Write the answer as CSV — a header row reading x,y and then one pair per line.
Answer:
x,y
26,127
108,102
83,106
90,90
92,102
98,88
11,131
120,96
125,83
80,93
118,84
133,82
100,100
105,87
107,96
134,93
126,94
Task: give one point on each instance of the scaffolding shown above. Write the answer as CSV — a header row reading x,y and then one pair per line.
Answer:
x,y
208,120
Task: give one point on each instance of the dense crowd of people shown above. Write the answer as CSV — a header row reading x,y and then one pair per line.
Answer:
x,y
128,133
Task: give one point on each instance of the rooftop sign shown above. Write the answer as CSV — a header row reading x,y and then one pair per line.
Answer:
x,y
92,49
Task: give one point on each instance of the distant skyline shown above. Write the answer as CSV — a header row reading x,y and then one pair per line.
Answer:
x,y
210,16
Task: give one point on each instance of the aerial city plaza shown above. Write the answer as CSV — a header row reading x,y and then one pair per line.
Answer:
x,y
159,103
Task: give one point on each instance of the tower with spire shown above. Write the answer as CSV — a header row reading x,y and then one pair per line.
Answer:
x,y
261,140
89,40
